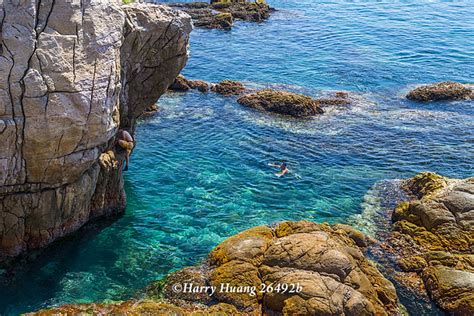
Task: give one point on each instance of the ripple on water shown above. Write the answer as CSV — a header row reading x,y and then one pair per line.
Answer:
x,y
200,169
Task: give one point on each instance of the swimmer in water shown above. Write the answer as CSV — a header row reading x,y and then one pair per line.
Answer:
x,y
283,168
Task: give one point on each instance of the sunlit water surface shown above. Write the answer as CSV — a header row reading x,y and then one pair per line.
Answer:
x,y
200,170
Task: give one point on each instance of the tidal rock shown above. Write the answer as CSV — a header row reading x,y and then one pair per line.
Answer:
x,y
150,111
333,276
228,87
73,72
447,90
306,268
282,102
182,84
433,235
221,14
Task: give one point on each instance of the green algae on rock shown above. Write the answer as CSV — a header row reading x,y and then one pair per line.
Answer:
x,y
433,235
447,90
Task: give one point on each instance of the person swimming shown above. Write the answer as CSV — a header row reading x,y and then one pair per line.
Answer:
x,y
283,168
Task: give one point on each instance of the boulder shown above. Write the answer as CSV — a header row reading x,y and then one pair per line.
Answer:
x,y
433,236
221,14
282,102
73,74
293,268
447,90
182,84
228,87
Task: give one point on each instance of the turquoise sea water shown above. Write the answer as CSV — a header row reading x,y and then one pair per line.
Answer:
x,y
199,172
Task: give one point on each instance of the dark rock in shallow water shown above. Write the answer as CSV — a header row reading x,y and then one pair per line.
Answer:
x,y
200,85
228,87
433,235
447,90
221,15
313,269
182,84
282,102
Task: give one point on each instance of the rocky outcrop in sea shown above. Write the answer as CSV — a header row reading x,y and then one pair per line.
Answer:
x,y
294,268
447,90
222,14
433,239
73,73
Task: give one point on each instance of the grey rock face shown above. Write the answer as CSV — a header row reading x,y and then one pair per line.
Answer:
x,y
72,71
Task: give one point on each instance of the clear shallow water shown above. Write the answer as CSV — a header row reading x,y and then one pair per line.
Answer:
x,y
199,173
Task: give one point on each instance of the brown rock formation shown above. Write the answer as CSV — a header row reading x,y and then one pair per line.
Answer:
x,y
307,268
433,235
282,102
182,84
228,87
221,14
447,90
72,73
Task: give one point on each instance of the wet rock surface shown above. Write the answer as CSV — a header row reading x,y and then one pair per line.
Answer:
x,y
447,90
312,269
222,14
282,102
433,236
182,84
228,87
72,74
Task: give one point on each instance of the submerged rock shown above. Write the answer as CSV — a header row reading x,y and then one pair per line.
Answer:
x,y
282,102
295,268
228,87
433,235
447,90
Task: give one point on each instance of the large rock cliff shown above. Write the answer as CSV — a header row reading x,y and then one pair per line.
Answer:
x,y
73,73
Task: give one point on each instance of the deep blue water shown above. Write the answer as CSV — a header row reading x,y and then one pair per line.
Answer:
x,y
199,172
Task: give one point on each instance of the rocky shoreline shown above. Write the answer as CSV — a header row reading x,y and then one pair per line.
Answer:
x,y
431,240
294,268
74,74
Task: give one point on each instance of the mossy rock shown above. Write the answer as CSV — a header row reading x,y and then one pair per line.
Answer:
x,y
282,102
447,90
412,263
237,274
425,184
228,87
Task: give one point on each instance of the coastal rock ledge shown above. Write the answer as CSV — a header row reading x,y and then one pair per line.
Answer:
x,y
307,268
447,90
433,238
72,74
